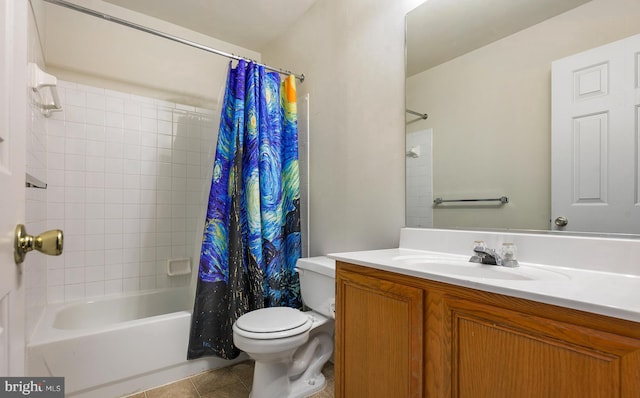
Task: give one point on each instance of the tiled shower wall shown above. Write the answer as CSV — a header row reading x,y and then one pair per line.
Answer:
x,y
419,183
128,178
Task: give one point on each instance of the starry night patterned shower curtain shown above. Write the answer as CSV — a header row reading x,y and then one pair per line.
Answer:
x,y
251,239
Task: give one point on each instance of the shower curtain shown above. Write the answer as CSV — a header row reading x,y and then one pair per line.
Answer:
x,y
251,239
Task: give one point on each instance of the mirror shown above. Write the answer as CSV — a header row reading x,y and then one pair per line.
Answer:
x,y
481,71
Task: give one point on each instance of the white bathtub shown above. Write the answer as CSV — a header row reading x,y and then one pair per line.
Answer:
x,y
117,345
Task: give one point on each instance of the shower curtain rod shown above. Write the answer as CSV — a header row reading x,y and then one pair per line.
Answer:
x,y
88,11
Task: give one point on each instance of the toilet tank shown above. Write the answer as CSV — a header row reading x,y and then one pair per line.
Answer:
x,y
318,283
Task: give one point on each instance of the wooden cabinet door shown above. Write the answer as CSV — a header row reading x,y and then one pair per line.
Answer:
x,y
498,353
379,337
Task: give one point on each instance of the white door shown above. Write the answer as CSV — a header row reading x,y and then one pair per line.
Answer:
x,y
13,65
595,181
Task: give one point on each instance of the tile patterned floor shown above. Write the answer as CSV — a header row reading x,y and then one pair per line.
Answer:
x,y
231,382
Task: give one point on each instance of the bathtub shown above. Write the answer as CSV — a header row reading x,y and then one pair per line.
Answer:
x,y
116,346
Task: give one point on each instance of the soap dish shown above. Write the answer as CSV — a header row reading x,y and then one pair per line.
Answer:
x,y
178,266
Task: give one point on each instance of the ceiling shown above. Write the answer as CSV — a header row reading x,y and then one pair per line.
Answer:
x,y
251,24
431,40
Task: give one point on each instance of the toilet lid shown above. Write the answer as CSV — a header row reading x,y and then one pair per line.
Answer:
x,y
273,319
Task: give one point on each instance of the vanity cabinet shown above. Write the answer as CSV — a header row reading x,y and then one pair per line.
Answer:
x,y
381,342
401,336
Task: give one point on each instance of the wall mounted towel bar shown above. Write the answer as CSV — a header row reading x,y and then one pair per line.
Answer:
x,y
34,182
422,115
502,200
39,80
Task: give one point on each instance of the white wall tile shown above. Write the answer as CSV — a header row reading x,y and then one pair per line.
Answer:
x,y
55,144
74,162
73,275
96,100
114,241
147,282
55,294
95,117
132,107
132,122
113,286
96,133
113,257
95,289
131,284
75,97
113,119
73,113
94,195
74,291
94,178
118,185
55,161
115,105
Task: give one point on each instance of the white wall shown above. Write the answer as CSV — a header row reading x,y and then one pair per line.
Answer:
x,y
92,51
497,101
352,54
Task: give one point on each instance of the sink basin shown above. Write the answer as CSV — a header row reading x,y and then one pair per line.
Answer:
x,y
458,266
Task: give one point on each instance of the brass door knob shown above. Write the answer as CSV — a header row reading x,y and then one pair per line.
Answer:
x,y
49,242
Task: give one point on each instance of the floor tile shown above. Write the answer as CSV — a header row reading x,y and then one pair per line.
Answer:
x,y
230,382
139,395
235,390
244,371
179,389
214,380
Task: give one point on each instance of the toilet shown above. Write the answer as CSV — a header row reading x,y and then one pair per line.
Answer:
x,y
290,346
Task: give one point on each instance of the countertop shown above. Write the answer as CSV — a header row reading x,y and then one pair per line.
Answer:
x,y
601,292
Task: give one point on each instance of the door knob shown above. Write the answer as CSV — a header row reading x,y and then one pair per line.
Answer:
x,y
49,242
562,221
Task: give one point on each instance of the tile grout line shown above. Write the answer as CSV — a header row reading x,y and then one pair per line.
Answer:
x,y
194,386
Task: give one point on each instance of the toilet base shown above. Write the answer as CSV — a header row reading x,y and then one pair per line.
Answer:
x,y
271,381
299,376
305,388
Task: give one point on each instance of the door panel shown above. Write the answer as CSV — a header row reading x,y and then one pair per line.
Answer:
x,y
13,104
595,170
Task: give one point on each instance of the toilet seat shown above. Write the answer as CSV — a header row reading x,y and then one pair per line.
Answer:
x,y
272,323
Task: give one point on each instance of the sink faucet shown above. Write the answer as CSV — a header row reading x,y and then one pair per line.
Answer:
x,y
484,255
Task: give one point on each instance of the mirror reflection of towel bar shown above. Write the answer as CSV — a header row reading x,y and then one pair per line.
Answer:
x,y
422,115
502,200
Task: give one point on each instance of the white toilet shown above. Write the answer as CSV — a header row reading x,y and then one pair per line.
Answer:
x,y
290,346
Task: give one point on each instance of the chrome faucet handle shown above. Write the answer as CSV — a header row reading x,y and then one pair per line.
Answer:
x,y
478,245
508,253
